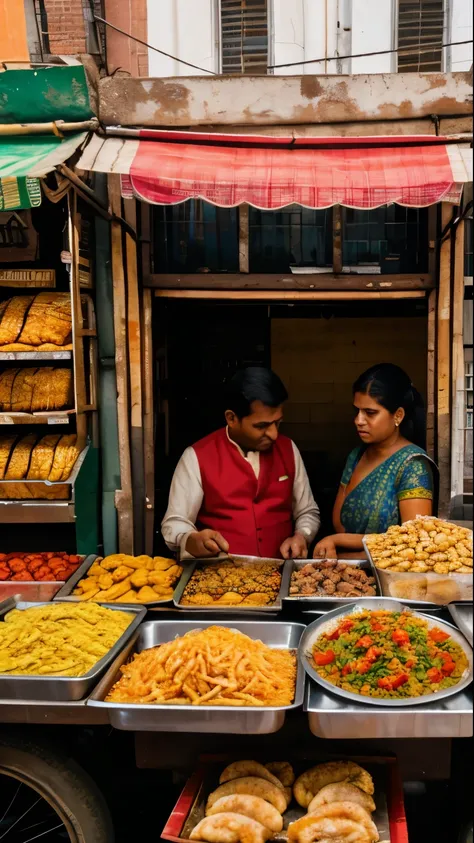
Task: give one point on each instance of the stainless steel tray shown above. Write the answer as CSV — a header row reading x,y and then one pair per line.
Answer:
x,y
334,718
462,617
325,604
189,718
331,620
415,604
35,355
66,595
245,610
64,688
32,591
69,482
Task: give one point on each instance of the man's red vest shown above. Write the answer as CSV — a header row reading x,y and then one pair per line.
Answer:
x,y
254,516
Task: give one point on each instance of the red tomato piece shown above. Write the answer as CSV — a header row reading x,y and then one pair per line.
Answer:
x,y
365,642
400,637
448,668
434,675
324,658
400,680
348,668
373,653
385,682
346,625
333,636
410,663
438,636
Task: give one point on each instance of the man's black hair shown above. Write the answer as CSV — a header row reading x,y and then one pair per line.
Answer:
x,y
254,384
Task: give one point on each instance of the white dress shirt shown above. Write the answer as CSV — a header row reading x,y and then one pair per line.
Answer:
x,y
186,497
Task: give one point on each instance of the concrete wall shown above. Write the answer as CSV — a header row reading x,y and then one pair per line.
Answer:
x,y
186,29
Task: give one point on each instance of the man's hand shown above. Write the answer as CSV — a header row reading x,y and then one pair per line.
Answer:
x,y
295,547
206,543
325,549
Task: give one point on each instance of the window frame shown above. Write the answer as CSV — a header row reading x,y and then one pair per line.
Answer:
x,y
445,56
218,36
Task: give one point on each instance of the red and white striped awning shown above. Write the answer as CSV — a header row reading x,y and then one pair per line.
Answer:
x,y
168,167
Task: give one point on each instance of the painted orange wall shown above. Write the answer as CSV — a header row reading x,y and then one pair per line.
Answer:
x,y
13,38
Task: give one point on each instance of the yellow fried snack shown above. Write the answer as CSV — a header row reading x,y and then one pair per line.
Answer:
x,y
60,639
162,564
241,769
424,545
250,786
250,806
230,828
213,666
138,583
312,781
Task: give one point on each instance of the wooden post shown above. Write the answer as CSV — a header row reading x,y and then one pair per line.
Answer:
x,y
431,378
457,432
123,496
444,367
77,324
244,263
148,421
135,374
337,239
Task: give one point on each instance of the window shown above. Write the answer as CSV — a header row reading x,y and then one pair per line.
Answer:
x,y
295,236
389,240
420,34
244,36
195,237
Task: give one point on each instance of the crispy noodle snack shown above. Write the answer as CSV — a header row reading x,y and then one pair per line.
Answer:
x,y
213,666
251,806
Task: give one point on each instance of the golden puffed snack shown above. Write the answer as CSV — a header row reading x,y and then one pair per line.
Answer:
x,y
250,806
342,792
213,666
230,828
58,639
327,830
425,545
250,786
348,811
283,771
129,579
240,769
233,584
312,781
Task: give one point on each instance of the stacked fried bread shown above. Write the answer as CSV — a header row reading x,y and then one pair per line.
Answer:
x,y
36,323
34,390
50,458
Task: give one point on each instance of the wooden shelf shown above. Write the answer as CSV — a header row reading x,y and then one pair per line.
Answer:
x,y
39,356
61,417
37,512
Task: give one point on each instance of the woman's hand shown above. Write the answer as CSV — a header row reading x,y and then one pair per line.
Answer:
x,y
326,549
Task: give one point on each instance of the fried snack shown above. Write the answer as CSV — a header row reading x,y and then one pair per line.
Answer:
x,y
227,584
49,320
7,380
342,792
58,639
61,460
250,786
325,830
20,458
421,546
12,318
52,389
230,828
42,457
348,811
331,579
22,391
312,781
6,444
250,806
142,585
49,567
241,769
213,666
283,771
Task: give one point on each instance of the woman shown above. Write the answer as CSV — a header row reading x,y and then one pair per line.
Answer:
x,y
388,480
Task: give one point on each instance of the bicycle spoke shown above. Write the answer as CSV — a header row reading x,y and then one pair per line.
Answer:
x,y
11,803
48,831
21,817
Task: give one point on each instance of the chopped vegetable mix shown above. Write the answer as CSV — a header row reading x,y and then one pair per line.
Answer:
x,y
389,654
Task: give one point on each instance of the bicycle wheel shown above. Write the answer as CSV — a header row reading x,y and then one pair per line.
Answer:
x,y
46,797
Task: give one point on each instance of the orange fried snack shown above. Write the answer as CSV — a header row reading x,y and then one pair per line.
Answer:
x,y
214,666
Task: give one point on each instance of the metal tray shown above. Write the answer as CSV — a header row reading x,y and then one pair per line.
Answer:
x,y
69,482
189,718
32,591
325,604
462,617
35,355
382,576
64,688
334,718
245,610
331,620
66,595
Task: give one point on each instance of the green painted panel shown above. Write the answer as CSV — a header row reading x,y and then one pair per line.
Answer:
x,y
44,94
35,155
19,193
87,504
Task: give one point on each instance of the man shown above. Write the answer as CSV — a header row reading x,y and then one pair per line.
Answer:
x,y
243,489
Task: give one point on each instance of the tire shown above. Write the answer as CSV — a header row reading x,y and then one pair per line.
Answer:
x,y
62,783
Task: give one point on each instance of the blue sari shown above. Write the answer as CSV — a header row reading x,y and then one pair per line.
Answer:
x,y
373,505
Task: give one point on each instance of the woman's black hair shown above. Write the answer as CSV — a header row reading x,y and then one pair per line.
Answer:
x,y
254,384
392,388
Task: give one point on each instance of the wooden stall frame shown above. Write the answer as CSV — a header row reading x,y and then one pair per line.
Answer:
x,y
329,281
458,396
431,377
124,495
444,365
